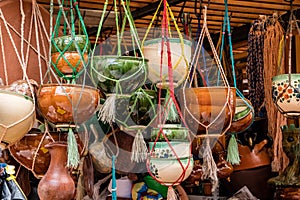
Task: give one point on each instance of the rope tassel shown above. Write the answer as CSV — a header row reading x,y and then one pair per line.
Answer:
x,y
171,194
233,152
171,109
73,154
107,112
209,166
139,148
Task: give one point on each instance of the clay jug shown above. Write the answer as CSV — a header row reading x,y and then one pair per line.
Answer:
x,y
57,184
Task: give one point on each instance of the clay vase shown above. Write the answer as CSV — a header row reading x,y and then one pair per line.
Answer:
x,y
57,184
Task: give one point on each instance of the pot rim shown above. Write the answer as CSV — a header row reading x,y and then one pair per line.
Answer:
x,y
281,76
172,40
101,57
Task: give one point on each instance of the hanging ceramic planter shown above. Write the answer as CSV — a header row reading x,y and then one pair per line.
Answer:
x,y
17,116
69,54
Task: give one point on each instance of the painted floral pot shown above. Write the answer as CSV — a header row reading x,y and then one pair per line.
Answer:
x,y
173,132
243,116
286,94
180,60
208,110
65,104
164,150
118,74
17,116
138,109
169,171
66,58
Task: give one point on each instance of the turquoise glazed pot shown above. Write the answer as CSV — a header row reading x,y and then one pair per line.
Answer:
x,y
119,74
286,94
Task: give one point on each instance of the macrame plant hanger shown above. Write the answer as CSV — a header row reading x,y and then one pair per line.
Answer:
x,y
120,89
226,110
232,151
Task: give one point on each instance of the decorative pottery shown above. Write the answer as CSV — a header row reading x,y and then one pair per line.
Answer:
x,y
208,110
67,104
180,60
286,94
119,74
17,116
24,150
163,149
174,132
169,170
66,58
243,116
136,110
57,183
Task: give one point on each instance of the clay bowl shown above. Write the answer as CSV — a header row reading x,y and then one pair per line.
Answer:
x,y
65,56
24,150
129,72
169,170
17,116
243,116
152,51
210,108
65,104
286,95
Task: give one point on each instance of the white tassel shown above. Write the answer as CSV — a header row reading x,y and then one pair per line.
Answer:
x,y
139,148
107,112
171,194
209,166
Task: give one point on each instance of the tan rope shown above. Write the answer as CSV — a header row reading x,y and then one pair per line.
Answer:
x,y
3,57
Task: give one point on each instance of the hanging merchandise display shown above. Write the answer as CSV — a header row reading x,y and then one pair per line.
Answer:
x,y
170,161
244,111
63,103
23,34
208,111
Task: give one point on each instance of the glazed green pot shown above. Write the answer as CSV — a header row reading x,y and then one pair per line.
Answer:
x,y
286,94
119,74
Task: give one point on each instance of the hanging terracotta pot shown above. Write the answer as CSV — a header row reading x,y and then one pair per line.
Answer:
x,y
17,116
181,58
65,104
209,110
66,55
57,184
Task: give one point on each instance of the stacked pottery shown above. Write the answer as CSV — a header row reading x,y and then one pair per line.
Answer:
x,y
170,159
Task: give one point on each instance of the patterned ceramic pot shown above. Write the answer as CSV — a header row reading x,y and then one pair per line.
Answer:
x,y
118,74
169,171
164,150
17,116
174,132
67,104
286,94
180,60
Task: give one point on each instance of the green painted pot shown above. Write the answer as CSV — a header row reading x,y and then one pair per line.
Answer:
x,y
119,74
66,43
286,94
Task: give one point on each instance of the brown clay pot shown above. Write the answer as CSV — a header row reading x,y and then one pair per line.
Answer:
x,y
64,104
25,150
57,183
213,106
73,58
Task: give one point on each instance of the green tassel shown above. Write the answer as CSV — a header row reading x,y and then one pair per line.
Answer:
x,y
171,109
233,152
73,154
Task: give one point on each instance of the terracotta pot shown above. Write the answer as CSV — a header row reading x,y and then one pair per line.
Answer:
x,y
65,104
286,96
17,116
129,72
211,107
243,116
57,184
24,150
180,60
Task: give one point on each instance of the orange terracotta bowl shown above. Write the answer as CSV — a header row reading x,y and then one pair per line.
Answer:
x,y
208,108
25,150
74,66
67,104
